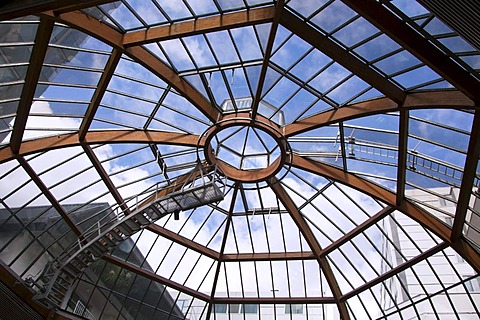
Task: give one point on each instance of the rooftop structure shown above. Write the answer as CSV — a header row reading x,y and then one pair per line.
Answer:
x,y
332,125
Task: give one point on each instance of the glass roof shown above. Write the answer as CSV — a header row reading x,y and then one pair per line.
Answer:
x,y
343,137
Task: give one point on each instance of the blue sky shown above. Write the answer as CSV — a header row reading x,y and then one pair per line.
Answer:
x,y
134,89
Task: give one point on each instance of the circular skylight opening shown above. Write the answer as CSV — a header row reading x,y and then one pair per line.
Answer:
x,y
245,148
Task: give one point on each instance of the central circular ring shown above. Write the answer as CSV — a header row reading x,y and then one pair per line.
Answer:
x,y
240,173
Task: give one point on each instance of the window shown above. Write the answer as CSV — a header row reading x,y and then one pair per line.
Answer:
x,y
182,304
235,308
249,308
220,308
294,308
473,285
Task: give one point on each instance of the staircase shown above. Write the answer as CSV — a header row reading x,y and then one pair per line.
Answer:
x,y
59,275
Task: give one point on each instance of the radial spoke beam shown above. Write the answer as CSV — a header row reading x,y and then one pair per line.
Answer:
x,y
421,100
411,40
99,92
342,56
266,57
106,179
468,178
222,250
274,300
395,271
308,235
101,137
31,78
50,197
190,244
164,72
270,256
200,26
358,230
402,155
155,277
147,59
416,213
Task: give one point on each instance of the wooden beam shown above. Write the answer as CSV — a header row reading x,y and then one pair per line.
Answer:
x,y
394,271
222,250
155,277
266,57
402,154
313,243
420,47
19,8
441,99
101,137
113,37
416,213
200,26
31,78
274,300
164,72
50,197
190,244
106,179
345,113
342,56
269,256
468,178
356,231
230,257
99,92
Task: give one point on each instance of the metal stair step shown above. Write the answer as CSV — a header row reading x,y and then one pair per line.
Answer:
x,y
125,229
134,226
115,235
61,286
86,257
95,250
99,247
142,219
52,299
73,270
159,211
149,213
107,242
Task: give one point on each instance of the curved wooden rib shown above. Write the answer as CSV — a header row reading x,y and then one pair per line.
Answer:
x,y
411,40
462,247
312,242
342,56
468,179
114,38
99,137
422,100
155,277
188,243
200,26
31,78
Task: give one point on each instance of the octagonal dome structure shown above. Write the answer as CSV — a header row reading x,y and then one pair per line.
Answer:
x,y
319,159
